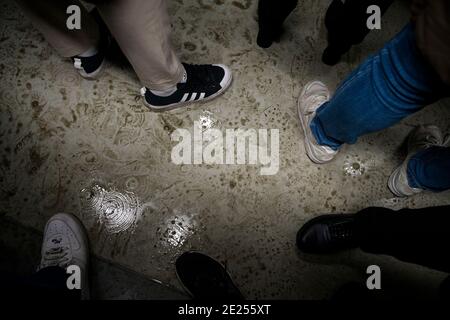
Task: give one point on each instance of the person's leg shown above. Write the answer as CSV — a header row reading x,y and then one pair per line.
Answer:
x,y
346,23
49,283
49,17
387,87
337,24
427,166
142,30
64,245
417,236
271,15
86,46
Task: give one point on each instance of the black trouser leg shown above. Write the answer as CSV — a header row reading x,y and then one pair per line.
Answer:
x,y
420,236
271,15
47,283
346,23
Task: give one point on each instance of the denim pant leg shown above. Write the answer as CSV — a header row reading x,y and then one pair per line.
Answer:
x,y
430,169
389,86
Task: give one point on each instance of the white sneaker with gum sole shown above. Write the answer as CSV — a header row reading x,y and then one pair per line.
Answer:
x,y
421,138
314,95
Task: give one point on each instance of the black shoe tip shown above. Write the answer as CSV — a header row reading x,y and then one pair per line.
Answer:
x,y
264,41
330,58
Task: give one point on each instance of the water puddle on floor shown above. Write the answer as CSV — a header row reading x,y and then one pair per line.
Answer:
x,y
207,121
176,229
115,211
118,213
354,167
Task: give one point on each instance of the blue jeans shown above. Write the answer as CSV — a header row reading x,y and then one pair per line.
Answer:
x,y
389,86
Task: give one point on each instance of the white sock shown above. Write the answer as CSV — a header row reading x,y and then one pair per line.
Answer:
x,y
89,53
184,79
169,91
164,93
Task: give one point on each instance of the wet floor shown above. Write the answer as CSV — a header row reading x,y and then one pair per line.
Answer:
x,y
92,149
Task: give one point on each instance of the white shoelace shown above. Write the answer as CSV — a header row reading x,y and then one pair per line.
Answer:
x,y
315,101
56,256
430,140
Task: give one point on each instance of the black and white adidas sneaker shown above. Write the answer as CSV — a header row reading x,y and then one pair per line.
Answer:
x,y
90,67
202,83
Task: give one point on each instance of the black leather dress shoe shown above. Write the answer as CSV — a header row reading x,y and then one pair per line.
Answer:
x,y
328,234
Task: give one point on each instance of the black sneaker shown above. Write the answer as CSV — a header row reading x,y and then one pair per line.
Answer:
x,y
90,67
205,279
203,82
328,234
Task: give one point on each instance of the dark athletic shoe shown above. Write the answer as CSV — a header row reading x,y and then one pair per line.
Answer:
x,y
328,234
90,67
203,83
205,279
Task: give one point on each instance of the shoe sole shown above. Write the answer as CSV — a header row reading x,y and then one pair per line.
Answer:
x,y
182,104
307,144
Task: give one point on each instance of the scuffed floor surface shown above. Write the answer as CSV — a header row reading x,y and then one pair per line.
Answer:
x,y
91,148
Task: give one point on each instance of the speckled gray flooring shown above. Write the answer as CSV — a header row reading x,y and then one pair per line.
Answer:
x,y
91,148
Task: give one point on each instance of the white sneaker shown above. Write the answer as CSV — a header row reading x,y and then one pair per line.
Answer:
x,y
421,138
65,243
312,97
